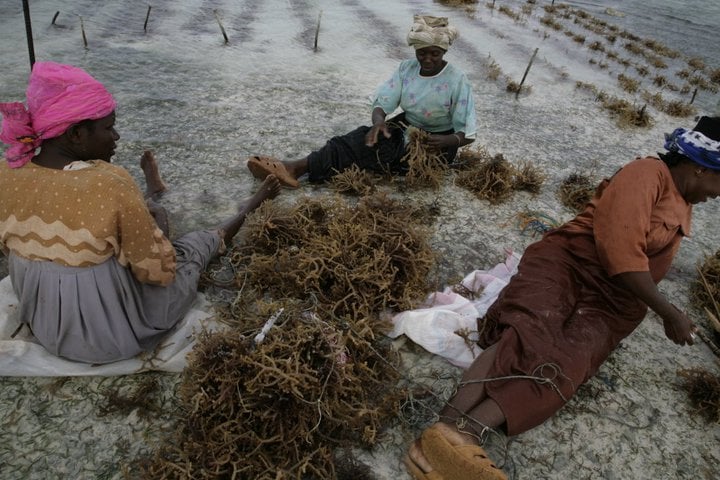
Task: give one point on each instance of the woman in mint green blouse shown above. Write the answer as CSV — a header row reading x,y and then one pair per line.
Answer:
x,y
431,94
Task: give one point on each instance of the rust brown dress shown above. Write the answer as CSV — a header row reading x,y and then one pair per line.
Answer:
x,y
563,313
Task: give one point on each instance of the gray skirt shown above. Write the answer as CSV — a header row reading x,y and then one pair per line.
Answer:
x,y
101,314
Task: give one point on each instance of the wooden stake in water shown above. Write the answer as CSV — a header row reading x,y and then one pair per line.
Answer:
x,y
147,17
693,96
28,33
82,29
222,29
55,17
525,74
317,31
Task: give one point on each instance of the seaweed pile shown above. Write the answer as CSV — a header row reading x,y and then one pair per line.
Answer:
x,y
704,391
351,260
353,181
495,179
576,191
426,164
703,294
320,375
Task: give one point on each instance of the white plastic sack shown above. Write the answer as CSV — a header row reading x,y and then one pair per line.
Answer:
x,y
434,327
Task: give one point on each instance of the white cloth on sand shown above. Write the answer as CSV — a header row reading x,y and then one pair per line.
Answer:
x,y
433,327
23,356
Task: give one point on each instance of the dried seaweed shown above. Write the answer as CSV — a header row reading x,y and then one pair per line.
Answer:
x,y
426,165
705,291
349,468
489,178
324,376
703,389
528,177
575,191
275,409
139,399
353,260
353,181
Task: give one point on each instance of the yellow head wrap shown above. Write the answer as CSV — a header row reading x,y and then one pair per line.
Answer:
x,y
428,31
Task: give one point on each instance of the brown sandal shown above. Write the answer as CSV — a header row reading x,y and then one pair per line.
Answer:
x,y
261,167
469,462
417,473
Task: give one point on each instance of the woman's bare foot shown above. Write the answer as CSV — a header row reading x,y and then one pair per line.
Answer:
x,y
269,189
416,456
454,454
452,435
154,184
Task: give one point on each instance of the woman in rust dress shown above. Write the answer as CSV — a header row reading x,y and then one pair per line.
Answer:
x,y
578,292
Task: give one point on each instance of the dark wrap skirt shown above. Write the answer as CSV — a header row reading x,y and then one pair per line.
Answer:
x,y
342,152
559,318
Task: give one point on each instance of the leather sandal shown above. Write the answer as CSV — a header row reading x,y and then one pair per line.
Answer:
x,y
455,462
261,167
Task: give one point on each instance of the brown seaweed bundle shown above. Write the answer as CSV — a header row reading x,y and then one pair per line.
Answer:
x,y
353,181
705,291
704,391
707,287
426,165
528,177
576,191
489,178
352,260
324,376
276,408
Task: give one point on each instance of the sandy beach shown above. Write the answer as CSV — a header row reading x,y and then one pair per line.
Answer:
x,y
632,421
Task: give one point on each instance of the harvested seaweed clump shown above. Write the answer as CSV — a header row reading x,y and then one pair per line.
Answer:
x,y
528,177
704,390
353,181
140,399
352,261
576,191
426,165
323,376
489,178
276,409
706,289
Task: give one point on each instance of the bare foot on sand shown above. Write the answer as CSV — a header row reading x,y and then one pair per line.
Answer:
x,y
154,184
269,189
416,463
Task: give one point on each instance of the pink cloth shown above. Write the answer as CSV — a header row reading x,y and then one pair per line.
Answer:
x,y
58,96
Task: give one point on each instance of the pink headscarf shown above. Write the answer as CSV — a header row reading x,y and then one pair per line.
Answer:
x,y
58,96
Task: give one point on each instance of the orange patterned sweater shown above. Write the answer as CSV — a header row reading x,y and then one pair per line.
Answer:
x,y
81,217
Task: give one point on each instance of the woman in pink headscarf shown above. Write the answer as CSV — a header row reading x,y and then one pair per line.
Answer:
x,y
89,259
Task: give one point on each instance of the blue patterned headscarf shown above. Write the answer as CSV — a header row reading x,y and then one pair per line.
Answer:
x,y
696,144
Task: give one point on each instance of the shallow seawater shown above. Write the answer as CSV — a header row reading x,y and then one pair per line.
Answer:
x,y
204,106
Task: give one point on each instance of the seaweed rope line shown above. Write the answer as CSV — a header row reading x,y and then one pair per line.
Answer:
x,y
537,376
485,428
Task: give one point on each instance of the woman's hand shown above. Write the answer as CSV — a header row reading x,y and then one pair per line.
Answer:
x,y
378,125
679,328
444,141
371,138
